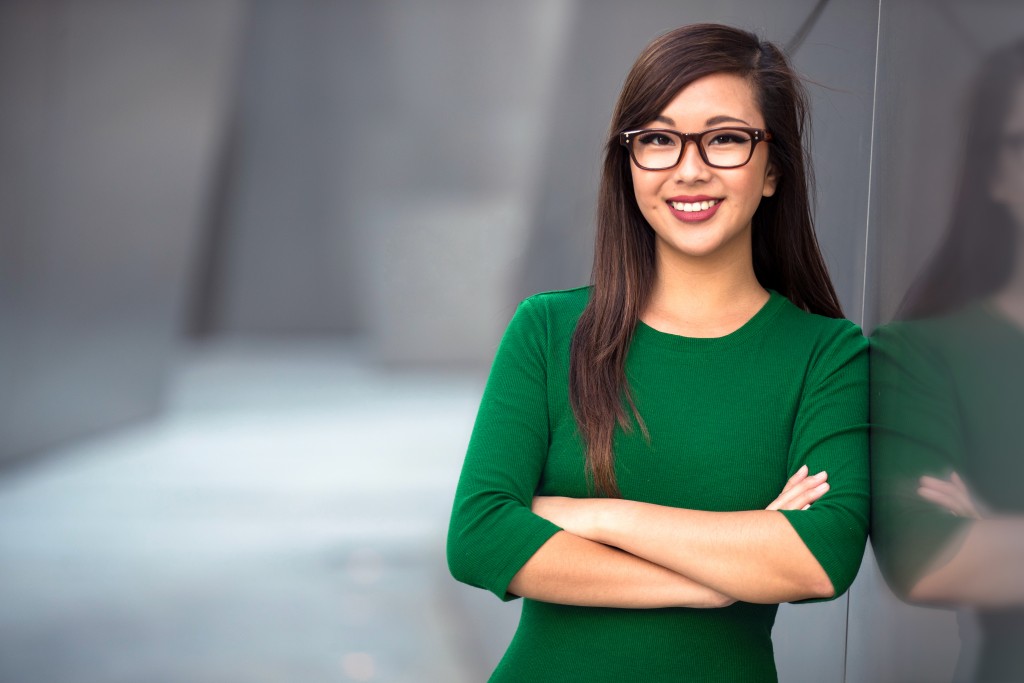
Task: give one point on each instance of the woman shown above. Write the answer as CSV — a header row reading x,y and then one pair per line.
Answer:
x,y
656,414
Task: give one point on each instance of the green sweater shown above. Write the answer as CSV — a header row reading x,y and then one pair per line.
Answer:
x,y
730,419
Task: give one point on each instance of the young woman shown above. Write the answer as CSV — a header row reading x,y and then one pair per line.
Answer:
x,y
645,443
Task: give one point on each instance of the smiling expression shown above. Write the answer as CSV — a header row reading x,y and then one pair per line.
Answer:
x,y
696,211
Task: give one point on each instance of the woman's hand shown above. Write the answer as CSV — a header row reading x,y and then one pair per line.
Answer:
x,y
800,491
952,495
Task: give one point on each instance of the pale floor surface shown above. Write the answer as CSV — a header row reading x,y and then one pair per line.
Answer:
x,y
282,520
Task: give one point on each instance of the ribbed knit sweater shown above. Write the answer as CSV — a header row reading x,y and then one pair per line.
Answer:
x,y
730,419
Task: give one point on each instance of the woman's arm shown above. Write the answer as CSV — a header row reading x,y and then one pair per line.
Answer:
x,y
569,569
754,556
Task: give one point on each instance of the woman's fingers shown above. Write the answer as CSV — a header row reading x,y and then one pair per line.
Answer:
x,y
799,476
805,497
801,493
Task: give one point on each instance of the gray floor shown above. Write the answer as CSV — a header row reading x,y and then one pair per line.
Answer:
x,y
282,521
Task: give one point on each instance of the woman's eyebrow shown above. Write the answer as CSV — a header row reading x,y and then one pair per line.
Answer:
x,y
714,120
721,118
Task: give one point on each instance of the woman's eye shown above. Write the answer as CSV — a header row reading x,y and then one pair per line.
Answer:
x,y
729,138
657,140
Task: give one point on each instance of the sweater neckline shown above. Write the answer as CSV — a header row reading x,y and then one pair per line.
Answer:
x,y
645,334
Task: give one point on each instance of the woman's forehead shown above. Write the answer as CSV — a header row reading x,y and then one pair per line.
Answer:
x,y
716,99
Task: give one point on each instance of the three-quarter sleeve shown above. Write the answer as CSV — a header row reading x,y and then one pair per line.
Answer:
x,y
830,433
492,532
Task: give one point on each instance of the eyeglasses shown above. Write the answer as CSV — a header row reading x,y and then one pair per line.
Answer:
x,y
656,149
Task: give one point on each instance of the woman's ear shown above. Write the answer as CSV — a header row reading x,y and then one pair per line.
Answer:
x,y
771,181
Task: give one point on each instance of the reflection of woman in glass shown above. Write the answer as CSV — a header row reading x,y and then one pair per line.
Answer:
x,y
948,395
677,419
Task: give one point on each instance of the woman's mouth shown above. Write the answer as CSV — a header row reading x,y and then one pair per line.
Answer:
x,y
690,207
696,209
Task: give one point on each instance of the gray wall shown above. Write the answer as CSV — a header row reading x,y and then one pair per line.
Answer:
x,y
109,113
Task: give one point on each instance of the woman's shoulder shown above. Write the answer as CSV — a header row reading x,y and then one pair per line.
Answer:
x,y
550,314
574,297
559,306
803,319
820,331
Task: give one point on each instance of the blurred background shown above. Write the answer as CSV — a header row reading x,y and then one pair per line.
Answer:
x,y
255,258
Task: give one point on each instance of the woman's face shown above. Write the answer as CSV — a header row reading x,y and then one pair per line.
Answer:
x,y
1008,182
722,230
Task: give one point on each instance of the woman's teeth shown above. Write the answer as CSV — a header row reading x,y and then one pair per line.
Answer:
x,y
690,207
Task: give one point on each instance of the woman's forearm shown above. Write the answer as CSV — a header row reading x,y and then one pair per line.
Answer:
x,y
754,556
570,570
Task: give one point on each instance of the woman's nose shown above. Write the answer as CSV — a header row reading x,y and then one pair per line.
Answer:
x,y
691,166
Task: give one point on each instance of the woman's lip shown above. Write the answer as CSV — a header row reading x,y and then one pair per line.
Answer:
x,y
691,199
694,216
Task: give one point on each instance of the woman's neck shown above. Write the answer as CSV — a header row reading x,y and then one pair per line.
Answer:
x,y
704,300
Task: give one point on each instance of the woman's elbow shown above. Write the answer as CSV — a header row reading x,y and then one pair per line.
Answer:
x,y
814,584
459,557
821,587
817,582
791,587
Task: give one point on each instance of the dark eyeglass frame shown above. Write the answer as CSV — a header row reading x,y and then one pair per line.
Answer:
x,y
757,135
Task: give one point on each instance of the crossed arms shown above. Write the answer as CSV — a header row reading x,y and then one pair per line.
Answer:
x,y
621,553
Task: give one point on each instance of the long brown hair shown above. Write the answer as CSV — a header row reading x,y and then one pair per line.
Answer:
x,y
785,251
